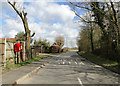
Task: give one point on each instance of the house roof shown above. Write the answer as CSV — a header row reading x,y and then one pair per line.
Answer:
x,y
55,46
9,39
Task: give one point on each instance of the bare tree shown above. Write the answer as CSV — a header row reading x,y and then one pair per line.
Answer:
x,y
59,40
23,16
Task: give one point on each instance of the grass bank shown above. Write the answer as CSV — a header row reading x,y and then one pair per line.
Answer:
x,y
14,66
109,64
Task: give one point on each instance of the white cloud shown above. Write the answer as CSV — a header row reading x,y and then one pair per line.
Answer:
x,y
1,34
49,11
13,25
13,32
40,15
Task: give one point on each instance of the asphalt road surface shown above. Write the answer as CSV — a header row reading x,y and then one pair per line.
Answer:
x,y
70,68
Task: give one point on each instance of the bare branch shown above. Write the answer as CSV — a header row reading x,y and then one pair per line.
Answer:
x,y
13,5
33,34
80,6
84,19
114,15
109,8
25,14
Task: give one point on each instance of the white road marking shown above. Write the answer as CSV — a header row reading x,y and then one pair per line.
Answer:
x,y
81,63
80,82
75,62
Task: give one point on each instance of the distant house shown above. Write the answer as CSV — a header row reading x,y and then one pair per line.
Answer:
x,y
55,49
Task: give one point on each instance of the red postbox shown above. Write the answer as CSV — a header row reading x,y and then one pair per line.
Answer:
x,y
17,47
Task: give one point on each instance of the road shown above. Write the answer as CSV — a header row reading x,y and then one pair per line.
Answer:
x,y
70,68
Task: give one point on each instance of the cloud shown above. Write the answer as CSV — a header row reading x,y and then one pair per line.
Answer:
x,y
12,24
13,32
47,20
49,11
1,34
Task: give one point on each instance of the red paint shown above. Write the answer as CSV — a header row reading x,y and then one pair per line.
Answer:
x,y
17,47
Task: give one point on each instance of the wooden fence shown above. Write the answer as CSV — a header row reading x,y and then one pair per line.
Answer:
x,y
7,54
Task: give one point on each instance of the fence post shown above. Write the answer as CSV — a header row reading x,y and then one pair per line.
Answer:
x,y
4,60
41,48
24,52
31,53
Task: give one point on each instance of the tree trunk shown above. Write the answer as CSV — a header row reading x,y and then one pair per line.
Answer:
x,y
28,37
91,38
27,46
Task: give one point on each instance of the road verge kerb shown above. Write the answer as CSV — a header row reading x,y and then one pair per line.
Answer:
x,y
18,81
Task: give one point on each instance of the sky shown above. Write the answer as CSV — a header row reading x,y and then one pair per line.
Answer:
x,y
46,19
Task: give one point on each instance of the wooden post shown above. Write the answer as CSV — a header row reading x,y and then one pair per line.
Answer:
x,y
4,60
41,48
0,76
24,52
66,41
31,52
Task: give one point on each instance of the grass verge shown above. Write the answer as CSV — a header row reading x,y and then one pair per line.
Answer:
x,y
109,64
14,66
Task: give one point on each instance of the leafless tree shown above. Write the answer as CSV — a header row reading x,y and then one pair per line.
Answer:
x,y
59,40
23,15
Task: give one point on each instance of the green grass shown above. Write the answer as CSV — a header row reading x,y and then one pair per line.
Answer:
x,y
13,66
112,65
37,58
